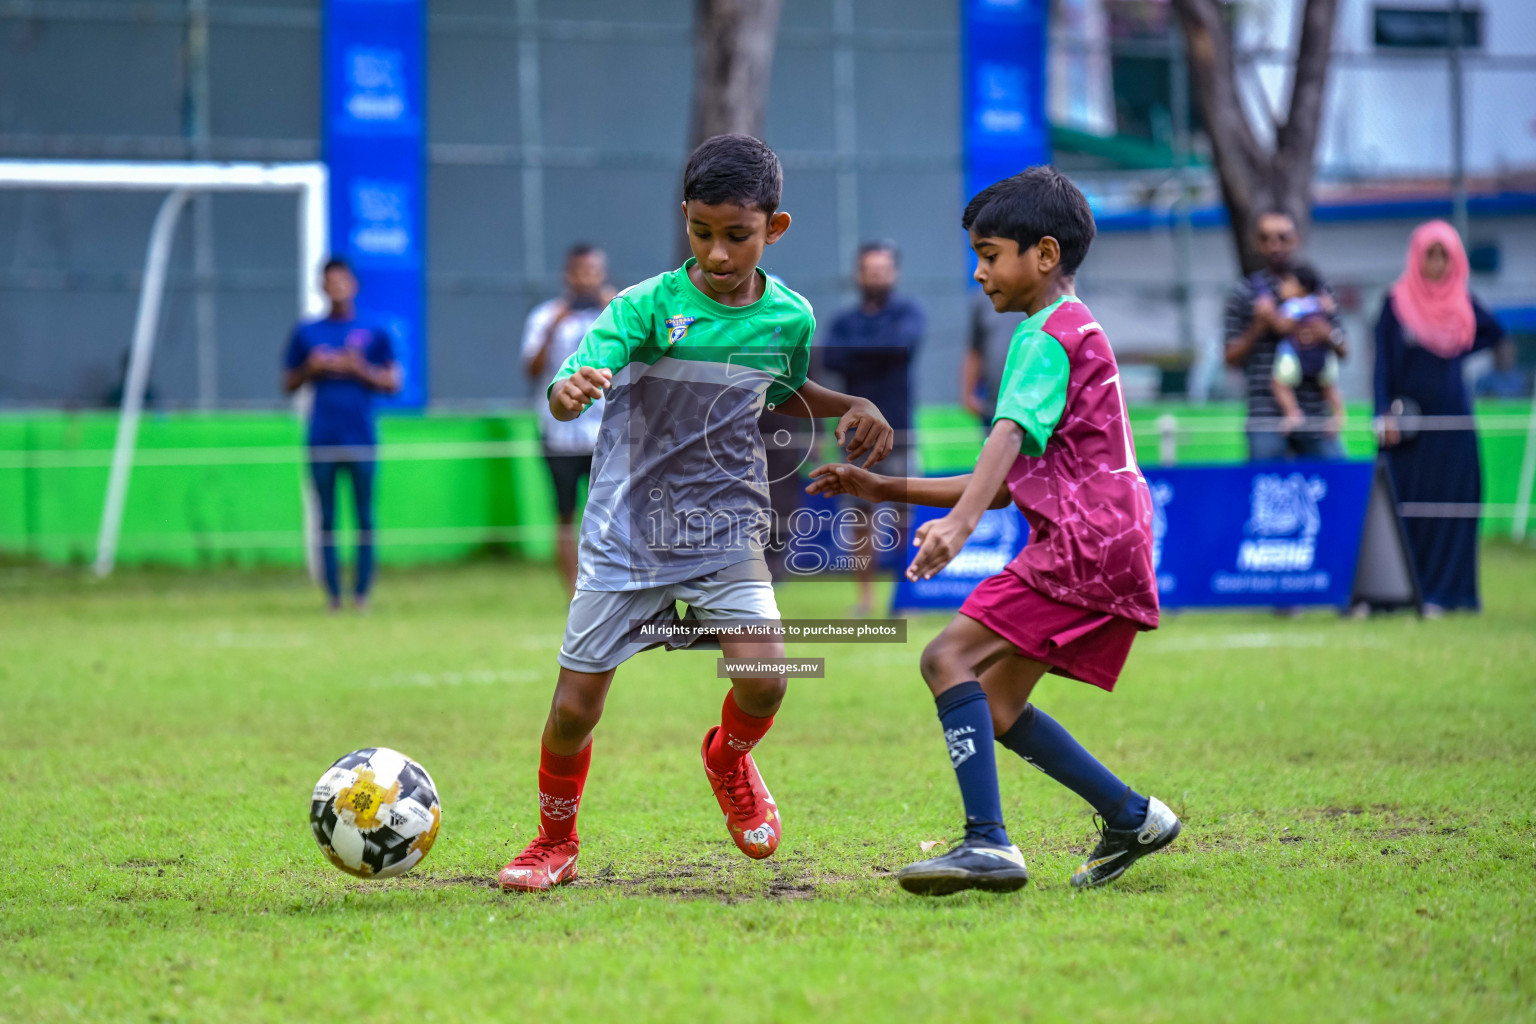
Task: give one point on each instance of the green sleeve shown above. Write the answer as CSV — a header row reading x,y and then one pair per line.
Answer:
x,y
1034,388
611,342
786,384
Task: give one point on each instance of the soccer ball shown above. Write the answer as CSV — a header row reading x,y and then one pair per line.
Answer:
x,y
375,813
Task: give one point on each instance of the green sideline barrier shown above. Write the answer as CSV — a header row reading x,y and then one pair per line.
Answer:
x,y
216,506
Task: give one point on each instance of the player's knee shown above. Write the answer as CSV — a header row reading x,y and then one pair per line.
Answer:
x,y
572,715
760,697
937,659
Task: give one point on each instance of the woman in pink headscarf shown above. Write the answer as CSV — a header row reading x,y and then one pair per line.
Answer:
x,y
1429,323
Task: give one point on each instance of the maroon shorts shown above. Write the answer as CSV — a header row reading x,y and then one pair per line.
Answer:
x,y
1075,642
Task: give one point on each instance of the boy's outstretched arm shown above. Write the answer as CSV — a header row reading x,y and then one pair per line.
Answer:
x,y
871,432
934,491
940,540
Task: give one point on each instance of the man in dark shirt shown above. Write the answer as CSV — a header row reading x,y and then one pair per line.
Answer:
x,y
348,362
1252,333
874,346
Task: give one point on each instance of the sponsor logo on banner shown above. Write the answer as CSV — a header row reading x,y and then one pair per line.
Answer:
x,y
1001,94
381,217
1162,494
1283,524
375,78
997,538
990,547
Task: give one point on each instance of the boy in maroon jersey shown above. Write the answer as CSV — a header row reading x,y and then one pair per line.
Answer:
x,y
1075,597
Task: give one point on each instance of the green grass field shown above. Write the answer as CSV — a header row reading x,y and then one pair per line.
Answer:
x,y
1359,800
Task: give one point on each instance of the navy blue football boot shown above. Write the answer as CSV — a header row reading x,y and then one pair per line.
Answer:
x,y
971,864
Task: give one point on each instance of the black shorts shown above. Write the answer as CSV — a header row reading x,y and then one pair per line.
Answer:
x,y
566,471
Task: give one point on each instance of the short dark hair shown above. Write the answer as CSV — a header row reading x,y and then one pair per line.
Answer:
x,y
881,245
1306,275
1272,211
734,169
1029,206
336,263
580,249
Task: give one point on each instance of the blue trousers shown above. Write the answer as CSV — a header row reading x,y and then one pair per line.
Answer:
x,y
361,472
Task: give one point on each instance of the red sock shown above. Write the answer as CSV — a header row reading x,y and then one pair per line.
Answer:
x,y
739,733
560,782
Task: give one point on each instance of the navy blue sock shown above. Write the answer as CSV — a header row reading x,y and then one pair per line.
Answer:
x,y
967,722
1039,739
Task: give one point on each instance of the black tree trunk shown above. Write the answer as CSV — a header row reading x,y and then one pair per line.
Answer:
x,y
733,59
1254,175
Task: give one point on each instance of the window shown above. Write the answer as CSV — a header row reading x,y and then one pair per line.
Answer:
x,y
1422,28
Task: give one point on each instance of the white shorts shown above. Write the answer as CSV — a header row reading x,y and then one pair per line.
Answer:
x,y
599,628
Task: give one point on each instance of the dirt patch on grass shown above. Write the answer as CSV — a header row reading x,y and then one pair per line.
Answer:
x,y
1319,825
702,880
713,881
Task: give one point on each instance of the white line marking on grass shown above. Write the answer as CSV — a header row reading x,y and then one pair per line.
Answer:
x,y
471,677
551,641
1255,641
227,638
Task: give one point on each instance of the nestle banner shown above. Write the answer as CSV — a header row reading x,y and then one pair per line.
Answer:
x,y
374,148
1284,534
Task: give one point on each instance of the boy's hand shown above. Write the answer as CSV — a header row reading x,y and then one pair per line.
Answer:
x,y
872,433
580,389
1335,424
842,478
1290,422
938,542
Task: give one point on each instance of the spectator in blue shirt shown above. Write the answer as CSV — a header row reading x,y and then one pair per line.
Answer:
x,y
347,362
874,347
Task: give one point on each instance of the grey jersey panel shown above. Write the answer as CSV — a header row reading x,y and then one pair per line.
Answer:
x,y
679,483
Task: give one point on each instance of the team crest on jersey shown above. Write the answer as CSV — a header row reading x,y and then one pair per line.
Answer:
x,y
677,328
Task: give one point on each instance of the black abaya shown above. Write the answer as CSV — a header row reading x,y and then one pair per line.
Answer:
x,y
1438,466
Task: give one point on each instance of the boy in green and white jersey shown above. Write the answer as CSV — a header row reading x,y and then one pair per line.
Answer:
x,y
678,507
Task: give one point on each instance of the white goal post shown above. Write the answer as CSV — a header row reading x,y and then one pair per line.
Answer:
x,y
181,181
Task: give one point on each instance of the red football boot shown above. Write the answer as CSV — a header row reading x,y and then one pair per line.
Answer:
x,y
542,866
750,811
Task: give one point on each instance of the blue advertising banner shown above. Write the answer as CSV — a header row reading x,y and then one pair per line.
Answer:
x,y
1285,534
374,146
998,537
1003,47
